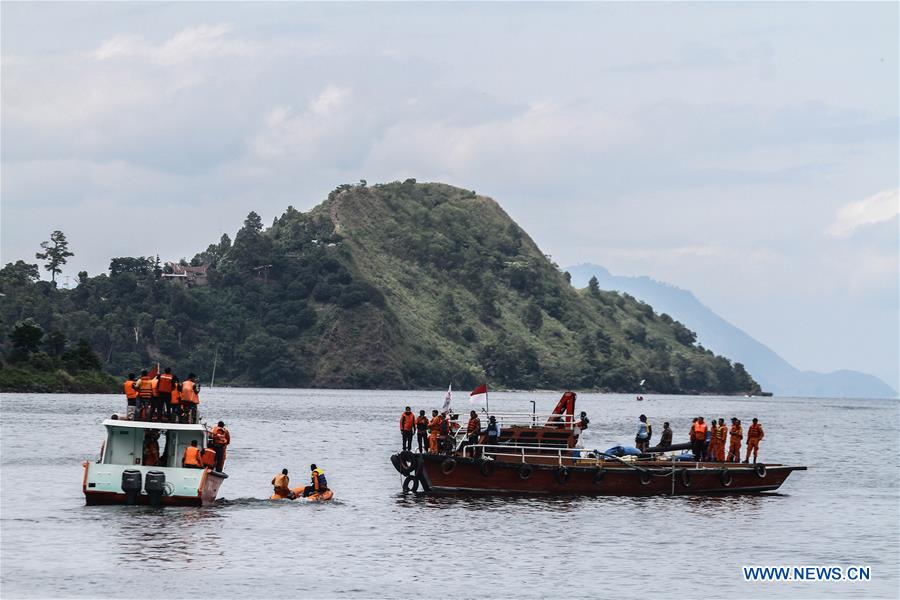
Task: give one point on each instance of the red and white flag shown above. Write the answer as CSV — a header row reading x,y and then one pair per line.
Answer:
x,y
479,394
446,407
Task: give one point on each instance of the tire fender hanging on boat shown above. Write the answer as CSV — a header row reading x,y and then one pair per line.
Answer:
x,y
685,478
599,474
407,462
447,466
526,471
725,477
486,467
760,471
645,477
563,474
411,484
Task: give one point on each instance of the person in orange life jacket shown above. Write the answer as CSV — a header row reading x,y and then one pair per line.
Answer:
x,y
736,435
721,436
407,426
755,434
190,397
473,428
644,433
422,431
281,484
173,407
445,441
151,448
160,397
191,458
319,483
146,388
708,442
220,438
130,396
698,438
434,430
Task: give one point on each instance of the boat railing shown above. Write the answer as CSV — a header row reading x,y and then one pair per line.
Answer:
x,y
526,451
507,420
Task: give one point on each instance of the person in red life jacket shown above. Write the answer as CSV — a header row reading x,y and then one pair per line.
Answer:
x,y
422,431
151,448
473,428
755,434
220,438
160,402
131,395
173,408
191,458
145,387
407,426
319,483
190,397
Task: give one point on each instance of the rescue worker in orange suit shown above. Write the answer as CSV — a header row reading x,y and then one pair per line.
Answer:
x,y
712,447
698,438
407,426
319,483
282,486
736,434
191,458
422,431
755,434
220,438
721,436
190,397
151,448
163,397
146,388
473,428
434,430
131,395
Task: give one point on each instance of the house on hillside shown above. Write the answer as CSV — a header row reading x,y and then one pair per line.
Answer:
x,y
188,275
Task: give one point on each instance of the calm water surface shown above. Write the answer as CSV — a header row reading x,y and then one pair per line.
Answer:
x,y
377,542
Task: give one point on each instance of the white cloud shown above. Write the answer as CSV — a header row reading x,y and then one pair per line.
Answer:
x,y
875,209
192,43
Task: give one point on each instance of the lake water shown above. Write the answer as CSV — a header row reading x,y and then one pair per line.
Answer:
x,y
376,542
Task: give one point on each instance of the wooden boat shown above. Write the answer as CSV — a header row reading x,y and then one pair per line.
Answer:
x,y
539,455
126,474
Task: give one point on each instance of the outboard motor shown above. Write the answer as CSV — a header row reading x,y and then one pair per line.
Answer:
x,y
155,486
131,485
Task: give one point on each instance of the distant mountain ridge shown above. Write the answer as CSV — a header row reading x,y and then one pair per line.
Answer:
x,y
772,372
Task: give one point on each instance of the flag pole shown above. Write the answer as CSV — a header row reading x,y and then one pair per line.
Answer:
x,y
487,402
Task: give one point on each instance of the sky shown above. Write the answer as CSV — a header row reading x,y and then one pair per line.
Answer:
x,y
747,152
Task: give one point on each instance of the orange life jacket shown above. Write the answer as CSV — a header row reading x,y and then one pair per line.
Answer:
x,y
130,392
220,436
192,456
721,433
434,425
737,433
474,426
755,432
699,431
208,458
165,383
151,453
176,395
407,421
145,388
189,393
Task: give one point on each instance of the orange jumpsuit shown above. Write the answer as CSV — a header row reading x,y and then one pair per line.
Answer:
x,y
434,430
734,449
720,434
755,433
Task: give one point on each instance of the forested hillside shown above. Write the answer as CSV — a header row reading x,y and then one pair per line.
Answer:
x,y
398,285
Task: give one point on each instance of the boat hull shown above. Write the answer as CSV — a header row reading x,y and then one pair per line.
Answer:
x,y
206,492
436,475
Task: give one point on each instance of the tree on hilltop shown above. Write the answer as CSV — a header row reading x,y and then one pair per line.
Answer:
x,y
56,253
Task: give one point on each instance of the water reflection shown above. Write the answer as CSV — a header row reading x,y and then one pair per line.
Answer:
x,y
188,536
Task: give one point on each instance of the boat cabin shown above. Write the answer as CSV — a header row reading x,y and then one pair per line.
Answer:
x,y
140,443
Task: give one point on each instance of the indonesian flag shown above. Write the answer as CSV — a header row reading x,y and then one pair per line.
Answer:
x,y
479,394
446,407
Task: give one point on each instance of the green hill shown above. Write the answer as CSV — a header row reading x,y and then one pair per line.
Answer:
x,y
400,285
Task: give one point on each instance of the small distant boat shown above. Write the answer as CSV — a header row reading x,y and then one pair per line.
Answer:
x,y
538,454
126,473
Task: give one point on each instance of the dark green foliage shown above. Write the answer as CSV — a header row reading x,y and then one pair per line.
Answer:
x,y
393,285
26,338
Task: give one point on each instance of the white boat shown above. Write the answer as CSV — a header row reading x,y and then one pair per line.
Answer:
x,y
121,476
